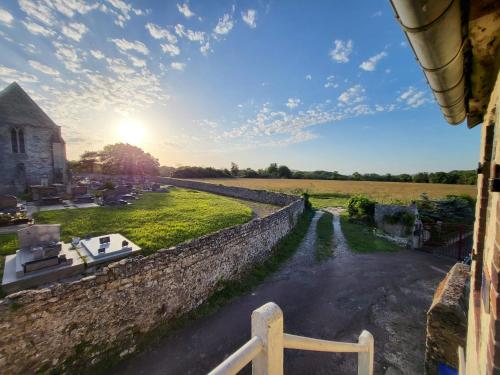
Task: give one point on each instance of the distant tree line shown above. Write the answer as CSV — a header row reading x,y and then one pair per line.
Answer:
x,y
463,177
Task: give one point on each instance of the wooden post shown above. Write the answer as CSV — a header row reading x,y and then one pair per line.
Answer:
x,y
267,324
365,359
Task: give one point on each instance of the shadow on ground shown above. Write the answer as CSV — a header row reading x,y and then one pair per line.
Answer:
x,y
385,293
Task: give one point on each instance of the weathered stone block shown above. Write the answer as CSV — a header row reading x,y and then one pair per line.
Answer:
x,y
447,320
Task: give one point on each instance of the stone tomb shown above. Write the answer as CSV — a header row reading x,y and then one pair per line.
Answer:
x,y
110,246
43,258
8,203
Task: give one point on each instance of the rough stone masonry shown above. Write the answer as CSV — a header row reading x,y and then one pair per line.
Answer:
x,y
46,328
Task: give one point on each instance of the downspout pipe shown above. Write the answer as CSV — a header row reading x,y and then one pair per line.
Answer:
x,y
434,31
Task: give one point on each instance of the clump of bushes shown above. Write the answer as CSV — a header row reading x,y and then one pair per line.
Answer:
x,y
361,208
452,209
401,217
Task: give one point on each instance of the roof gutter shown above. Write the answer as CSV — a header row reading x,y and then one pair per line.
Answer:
x,y
434,31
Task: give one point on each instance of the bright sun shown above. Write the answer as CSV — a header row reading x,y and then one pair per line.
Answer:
x,y
130,131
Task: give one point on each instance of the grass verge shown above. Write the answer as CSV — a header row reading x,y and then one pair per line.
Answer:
x,y
324,237
227,291
329,200
361,239
8,245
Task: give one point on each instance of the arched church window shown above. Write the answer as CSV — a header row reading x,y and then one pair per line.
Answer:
x,y
20,139
13,140
17,141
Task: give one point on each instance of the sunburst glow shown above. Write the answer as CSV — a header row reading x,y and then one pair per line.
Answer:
x,y
130,131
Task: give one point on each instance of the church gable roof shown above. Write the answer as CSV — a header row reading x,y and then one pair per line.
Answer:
x,y
17,109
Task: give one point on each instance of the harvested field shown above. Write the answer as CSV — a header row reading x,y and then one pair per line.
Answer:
x,y
336,193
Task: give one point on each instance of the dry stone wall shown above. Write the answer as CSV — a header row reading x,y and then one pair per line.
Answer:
x,y
233,191
87,319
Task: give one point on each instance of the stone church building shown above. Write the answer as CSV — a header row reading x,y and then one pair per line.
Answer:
x,y
32,150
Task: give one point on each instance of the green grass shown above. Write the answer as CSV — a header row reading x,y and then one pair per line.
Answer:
x,y
329,200
155,221
324,237
361,239
8,245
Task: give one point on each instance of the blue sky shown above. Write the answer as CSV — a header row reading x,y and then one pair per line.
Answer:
x,y
314,85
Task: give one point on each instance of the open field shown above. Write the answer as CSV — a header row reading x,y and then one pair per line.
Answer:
x,y
156,220
336,193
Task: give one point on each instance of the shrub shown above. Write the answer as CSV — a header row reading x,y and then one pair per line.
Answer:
x,y
361,208
404,218
109,185
307,202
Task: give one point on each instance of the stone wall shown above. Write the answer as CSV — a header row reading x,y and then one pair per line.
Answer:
x,y
232,191
447,320
20,170
89,318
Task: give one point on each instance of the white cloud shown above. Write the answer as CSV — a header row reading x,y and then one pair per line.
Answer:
x,y
122,11
9,75
205,48
225,24
352,95
370,64
249,17
158,32
6,17
37,29
97,54
194,36
340,53
330,83
171,49
70,7
292,103
125,45
378,13
413,97
43,68
37,9
119,66
74,30
184,9
178,66
69,56
139,63
308,77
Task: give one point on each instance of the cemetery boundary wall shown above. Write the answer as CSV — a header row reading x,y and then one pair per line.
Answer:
x,y
104,314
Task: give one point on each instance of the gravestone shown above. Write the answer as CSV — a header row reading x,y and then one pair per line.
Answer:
x,y
8,202
35,235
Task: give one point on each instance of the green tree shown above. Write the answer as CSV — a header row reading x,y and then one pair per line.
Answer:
x,y
122,158
235,171
272,170
284,172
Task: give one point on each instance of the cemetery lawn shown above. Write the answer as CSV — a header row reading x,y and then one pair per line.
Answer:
x,y
155,220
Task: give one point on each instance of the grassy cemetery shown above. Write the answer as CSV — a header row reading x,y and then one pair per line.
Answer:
x,y
155,220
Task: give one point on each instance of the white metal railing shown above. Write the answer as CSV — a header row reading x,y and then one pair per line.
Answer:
x,y
265,348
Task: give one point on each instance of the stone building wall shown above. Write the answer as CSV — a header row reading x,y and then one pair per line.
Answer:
x,y
483,331
98,314
37,160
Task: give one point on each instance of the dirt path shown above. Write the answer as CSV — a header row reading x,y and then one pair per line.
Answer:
x,y
385,293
